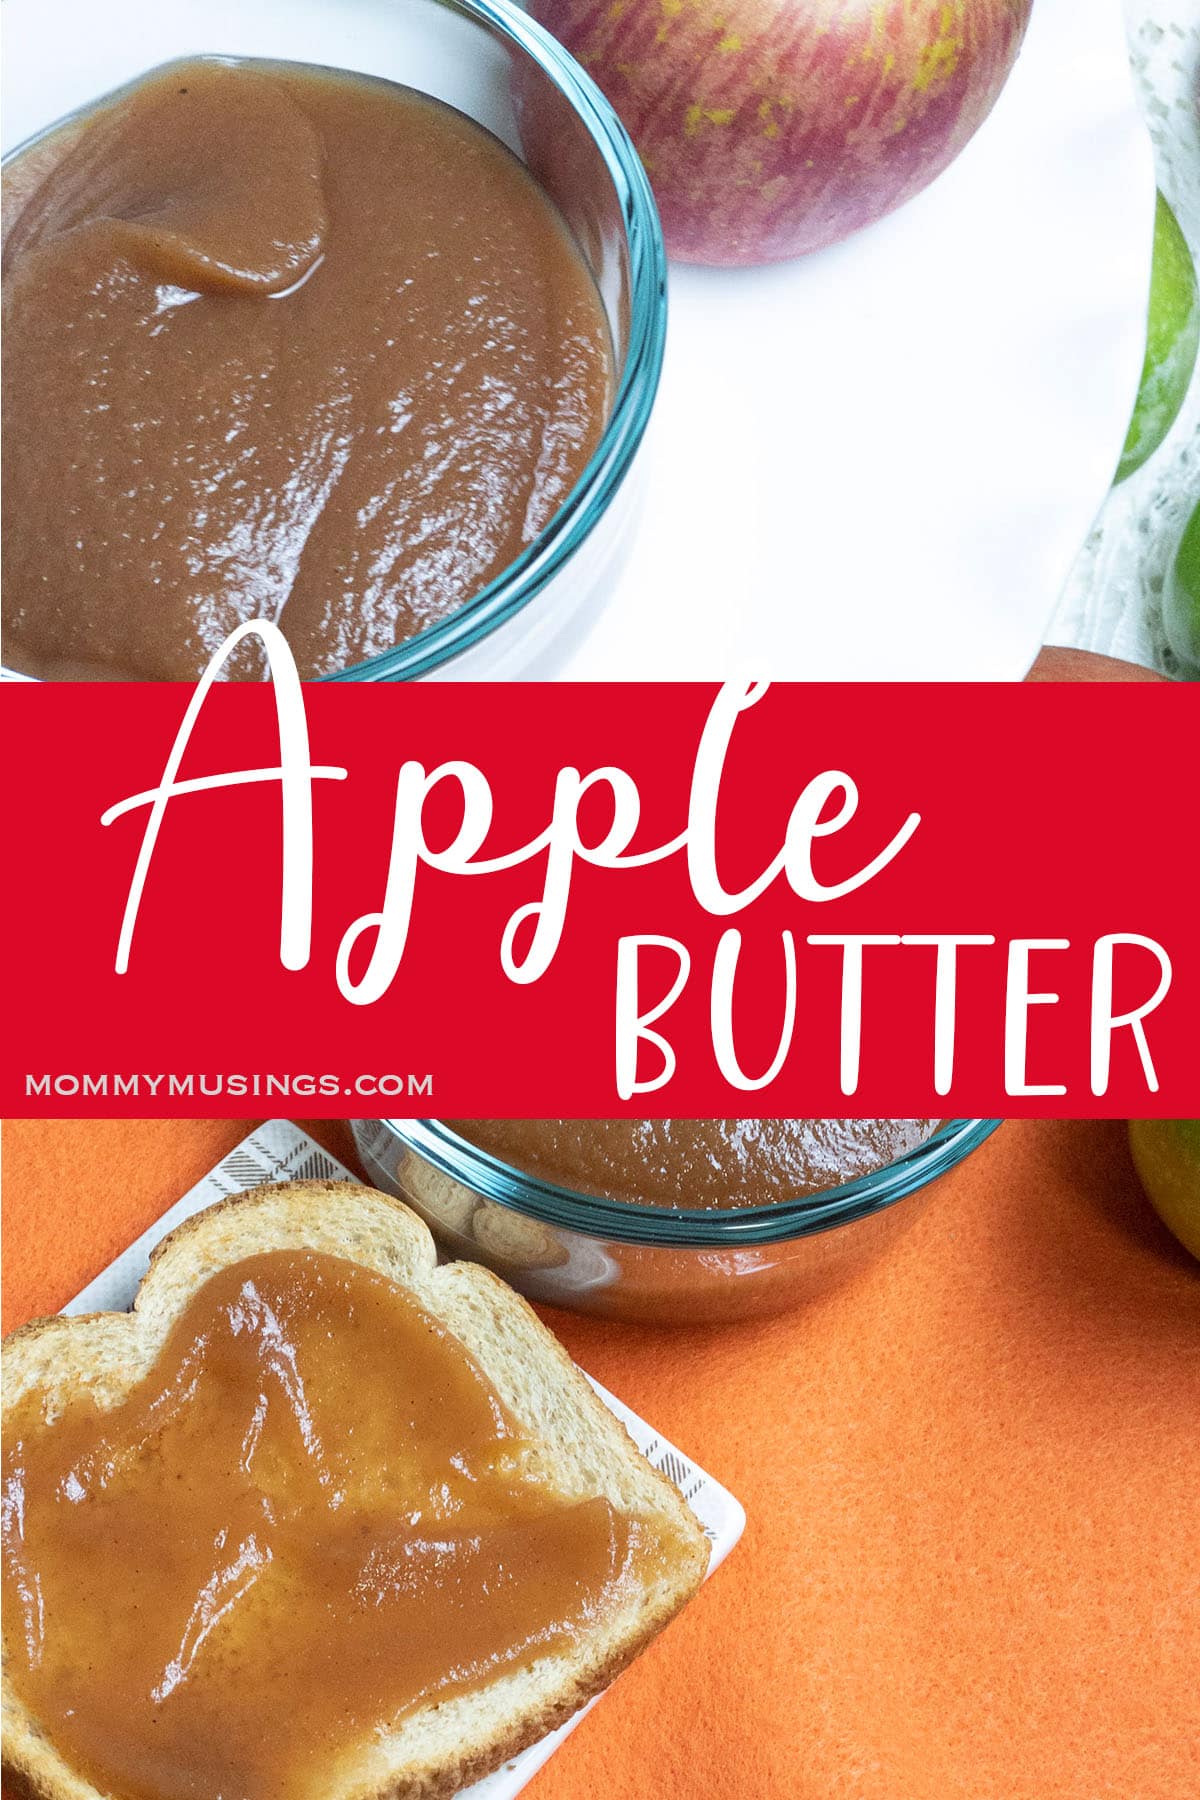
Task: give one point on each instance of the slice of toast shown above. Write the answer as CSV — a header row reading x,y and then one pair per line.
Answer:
x,y
581,1449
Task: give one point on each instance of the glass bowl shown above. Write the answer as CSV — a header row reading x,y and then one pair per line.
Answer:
x,y
624,1261
489,60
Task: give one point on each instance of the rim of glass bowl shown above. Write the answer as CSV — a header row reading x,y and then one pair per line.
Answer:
x,y
681,1227
589,499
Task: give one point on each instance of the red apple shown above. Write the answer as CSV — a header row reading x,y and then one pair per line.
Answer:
x,y
773,127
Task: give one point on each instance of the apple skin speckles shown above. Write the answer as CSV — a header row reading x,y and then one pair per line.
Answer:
x,y
770,128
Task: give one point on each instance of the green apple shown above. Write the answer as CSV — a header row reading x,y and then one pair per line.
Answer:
x,y
1167,1155
1181,598
1172,339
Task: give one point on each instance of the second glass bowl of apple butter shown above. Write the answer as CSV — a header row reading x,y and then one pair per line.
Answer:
x,y
673,1222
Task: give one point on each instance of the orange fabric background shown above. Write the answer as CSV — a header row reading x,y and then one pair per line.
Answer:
x,y
972,1564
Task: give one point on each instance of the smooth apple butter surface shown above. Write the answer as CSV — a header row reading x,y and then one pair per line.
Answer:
x,y
309,1517
280,343
697,1163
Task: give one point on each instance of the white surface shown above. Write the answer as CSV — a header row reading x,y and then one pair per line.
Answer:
x,y
280,1151
880,461
1113,598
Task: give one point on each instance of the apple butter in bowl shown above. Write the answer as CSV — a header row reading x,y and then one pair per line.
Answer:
x,y
282,343
679,1220
696,1164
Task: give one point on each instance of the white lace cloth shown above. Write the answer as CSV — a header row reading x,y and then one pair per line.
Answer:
x,y
1113,598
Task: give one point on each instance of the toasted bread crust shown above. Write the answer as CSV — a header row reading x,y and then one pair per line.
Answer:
x,y
109,1351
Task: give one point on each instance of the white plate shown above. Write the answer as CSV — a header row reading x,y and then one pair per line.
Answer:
x,y
875,462
280,1151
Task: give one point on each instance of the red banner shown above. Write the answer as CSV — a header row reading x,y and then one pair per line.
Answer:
x,y
593,899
